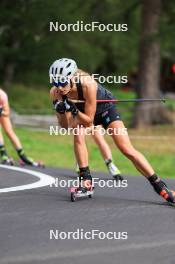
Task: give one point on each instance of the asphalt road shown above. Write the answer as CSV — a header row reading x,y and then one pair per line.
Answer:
x,y
28,218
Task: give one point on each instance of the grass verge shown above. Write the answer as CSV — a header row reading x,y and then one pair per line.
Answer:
x,y
156,143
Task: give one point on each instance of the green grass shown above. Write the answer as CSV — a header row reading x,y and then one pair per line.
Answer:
x,y
170,103
57,151
30,100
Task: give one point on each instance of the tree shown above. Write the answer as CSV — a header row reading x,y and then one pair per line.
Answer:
x,y
27,47
149,66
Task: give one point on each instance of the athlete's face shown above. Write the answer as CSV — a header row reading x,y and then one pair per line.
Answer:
x,y
64,90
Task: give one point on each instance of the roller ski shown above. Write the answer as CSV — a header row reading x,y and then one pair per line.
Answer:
x,y
25,160
114,171
7,161
161,188
81,192
168,195
85,188
38,164
30,162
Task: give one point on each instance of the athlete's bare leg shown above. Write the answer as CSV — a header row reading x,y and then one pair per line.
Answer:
x,y
5,159
80,149
142,165
1,137
102,144
81,154
122,141
7,126
106,153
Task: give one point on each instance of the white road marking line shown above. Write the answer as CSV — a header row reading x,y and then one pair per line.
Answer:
x,y
44,180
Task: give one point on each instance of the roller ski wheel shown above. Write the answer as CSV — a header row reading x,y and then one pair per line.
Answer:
x,y
118,177
21,163
81,192
73,197
168,195
39,164
171,198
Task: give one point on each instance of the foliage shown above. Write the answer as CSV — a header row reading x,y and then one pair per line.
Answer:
x,y
27,42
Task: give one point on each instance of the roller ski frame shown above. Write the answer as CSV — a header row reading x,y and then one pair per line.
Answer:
x,y
75,193
38,164
168,196
169,202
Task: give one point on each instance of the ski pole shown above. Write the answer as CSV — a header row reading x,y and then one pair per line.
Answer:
x,y
139,100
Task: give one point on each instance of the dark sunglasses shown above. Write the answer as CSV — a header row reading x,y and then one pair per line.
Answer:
x,y
62,84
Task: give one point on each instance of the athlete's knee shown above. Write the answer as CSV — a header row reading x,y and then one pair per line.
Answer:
x,y
9,132
128,151
79,139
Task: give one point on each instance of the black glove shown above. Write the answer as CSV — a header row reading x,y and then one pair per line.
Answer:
x,y
59,106
71,107
1,109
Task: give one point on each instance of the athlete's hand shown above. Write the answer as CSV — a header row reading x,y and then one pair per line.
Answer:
x,y
59,106
71,107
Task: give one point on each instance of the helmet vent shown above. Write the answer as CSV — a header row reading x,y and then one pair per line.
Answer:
x,y
63,68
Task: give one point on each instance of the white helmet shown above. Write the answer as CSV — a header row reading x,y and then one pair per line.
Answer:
x,y
61,71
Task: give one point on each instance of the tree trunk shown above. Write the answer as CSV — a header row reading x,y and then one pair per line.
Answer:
x,y
149,67
9,73
10,66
